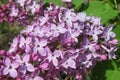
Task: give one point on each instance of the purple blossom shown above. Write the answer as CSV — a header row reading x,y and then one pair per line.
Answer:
x,y
52,57
39,46
10,68
108,33
33,7
14,45
25,43
14,11
21,2
25,65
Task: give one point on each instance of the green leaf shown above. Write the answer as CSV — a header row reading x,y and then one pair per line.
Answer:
x,y
103,10
117,32
107,70
77,3
112,75
56,2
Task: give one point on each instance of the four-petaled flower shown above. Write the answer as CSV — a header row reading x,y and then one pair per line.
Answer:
x,y
25,65
39,46
10,68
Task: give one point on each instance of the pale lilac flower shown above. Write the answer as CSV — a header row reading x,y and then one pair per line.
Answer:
x,y
14,45
33,78
44,19
39,46
103,57
95,21
33,7
88,62
110,51
90,45
114,41
69,17
21,2
95,32
81,16
58,29
28,29
44,66
52,57
10,68
25,43
14,11
25,65
108,33
69,63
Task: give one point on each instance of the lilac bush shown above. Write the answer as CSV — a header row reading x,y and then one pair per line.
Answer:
x,y
58,42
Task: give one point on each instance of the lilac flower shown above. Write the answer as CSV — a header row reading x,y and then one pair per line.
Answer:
x,y
44,66
10,68
52,57
44,19
25,43
110,51
58,29
90,45
69,17
14,45
108,33
25,65
21,2
95,32
69,63
39,46
88,62
81,16
14,11
34,7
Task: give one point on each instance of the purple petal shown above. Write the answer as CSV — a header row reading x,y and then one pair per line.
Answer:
x,y
26,58
44,66
42,51
57,53
95,37
7,62
38,78
13,73
28,40
43,42
22,41
55,61
71,63
15,65
6,71
30,67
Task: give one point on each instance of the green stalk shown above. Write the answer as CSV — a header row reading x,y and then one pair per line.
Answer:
x,y
115,2
88,75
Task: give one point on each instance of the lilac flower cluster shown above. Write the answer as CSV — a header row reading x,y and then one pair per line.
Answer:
x,y
58,42
21,11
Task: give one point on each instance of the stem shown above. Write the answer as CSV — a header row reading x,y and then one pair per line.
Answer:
x,y
115,2
67,78
88,75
